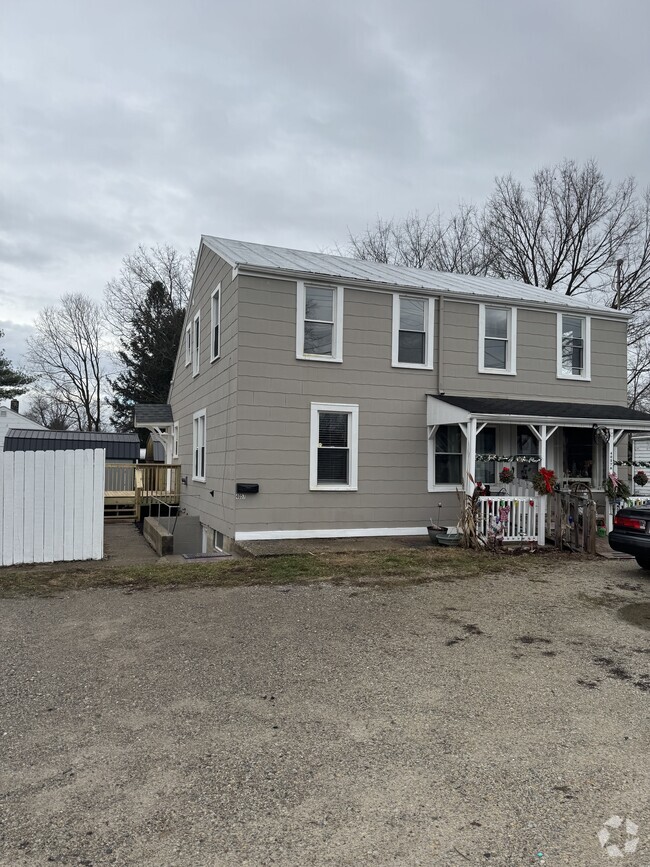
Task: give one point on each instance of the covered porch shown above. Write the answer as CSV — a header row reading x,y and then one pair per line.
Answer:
x,y
476,438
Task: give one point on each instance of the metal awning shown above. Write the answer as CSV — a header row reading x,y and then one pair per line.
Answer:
x,y
452,409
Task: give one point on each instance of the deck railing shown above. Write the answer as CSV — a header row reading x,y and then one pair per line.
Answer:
x,y
521,524
141,484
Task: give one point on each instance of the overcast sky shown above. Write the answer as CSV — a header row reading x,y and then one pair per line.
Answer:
x,y
288,122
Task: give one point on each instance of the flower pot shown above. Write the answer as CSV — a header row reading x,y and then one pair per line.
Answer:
x,y
449,540
434,531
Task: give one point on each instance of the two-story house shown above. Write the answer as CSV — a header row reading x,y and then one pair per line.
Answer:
x,y
318,396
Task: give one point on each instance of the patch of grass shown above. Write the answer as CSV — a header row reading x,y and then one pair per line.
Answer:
x,y
386,569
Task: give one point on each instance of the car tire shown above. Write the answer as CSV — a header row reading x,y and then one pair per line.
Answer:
x,y
644,562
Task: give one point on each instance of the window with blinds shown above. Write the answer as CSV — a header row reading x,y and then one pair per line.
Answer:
x,y
334,447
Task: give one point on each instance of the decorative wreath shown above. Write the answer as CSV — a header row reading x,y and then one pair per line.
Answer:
x,y
615,489
641,479
544,481
507,475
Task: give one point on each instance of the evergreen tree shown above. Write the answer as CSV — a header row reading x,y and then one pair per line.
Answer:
x,y
12,382
148,355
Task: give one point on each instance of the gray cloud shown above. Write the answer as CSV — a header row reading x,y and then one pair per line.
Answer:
x,y
286,123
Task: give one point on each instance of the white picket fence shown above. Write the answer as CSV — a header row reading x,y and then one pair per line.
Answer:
x,y
51,506
521,524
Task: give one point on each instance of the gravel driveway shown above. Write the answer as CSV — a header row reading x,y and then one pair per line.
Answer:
x,y
495,721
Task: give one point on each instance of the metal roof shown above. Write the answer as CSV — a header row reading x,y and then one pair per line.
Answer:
x,y
543,408
152,414
119,446
242,254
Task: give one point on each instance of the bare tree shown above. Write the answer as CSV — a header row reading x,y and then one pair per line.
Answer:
x,y
456,244
66,354
125,294
50,411
565,232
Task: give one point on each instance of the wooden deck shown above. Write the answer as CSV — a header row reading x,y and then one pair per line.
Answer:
x,y
130,487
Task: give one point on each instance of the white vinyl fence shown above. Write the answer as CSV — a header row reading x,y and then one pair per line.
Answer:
x,y
51,506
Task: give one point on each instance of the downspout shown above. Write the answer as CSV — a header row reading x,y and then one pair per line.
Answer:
x,y
441,331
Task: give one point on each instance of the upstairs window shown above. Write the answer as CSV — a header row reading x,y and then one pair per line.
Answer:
x,y
497,339
215,329
319,322
334,447
574,350
412,332
198,446
188,345
196,344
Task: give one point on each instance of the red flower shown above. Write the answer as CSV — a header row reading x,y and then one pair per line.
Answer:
x,y
532,502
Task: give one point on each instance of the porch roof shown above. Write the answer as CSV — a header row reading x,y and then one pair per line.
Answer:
x,y
450,409
152,415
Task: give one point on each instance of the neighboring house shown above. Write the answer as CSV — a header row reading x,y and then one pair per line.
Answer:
x,y
318,396
11,418
641,454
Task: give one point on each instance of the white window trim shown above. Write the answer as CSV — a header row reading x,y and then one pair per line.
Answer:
x,y
337,331
429,314
353,446
200,414
432,487
561,374
175,435
196,348
217,292
511,355
188,345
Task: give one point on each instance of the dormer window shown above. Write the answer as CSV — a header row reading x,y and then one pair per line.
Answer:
x,y
497,339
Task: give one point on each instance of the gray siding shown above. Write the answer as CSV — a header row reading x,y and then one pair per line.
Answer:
x,y
214,389
275,391
536,359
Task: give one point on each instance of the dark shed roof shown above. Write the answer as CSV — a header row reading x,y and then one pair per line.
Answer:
x,y
153,413
542,408
119,446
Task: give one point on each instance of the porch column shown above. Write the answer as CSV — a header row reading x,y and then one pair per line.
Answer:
x,y
471,455
541,528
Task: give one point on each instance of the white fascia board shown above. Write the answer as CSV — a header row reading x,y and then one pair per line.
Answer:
x,y
269,535
440,412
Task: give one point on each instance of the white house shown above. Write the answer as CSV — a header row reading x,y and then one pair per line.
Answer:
x,y
11,418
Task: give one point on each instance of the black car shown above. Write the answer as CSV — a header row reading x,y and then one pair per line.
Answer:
x,y
631,534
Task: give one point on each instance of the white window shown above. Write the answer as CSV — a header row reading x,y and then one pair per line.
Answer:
x,y
175,430
334,451
412,332
446,449
215,330
573,346
198,446
188,345
497,352
196,344
319,322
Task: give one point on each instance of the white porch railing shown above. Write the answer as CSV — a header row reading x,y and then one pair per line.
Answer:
x,y
521,523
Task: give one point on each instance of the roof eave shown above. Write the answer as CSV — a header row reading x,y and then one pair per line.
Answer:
x,y
291,274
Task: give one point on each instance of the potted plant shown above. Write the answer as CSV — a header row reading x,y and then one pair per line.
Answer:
x,y
640,478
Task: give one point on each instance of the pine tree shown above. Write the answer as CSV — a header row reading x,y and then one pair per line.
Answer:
x,y
148,355
12,382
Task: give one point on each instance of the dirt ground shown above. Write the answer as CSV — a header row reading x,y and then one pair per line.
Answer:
x,y
497,720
